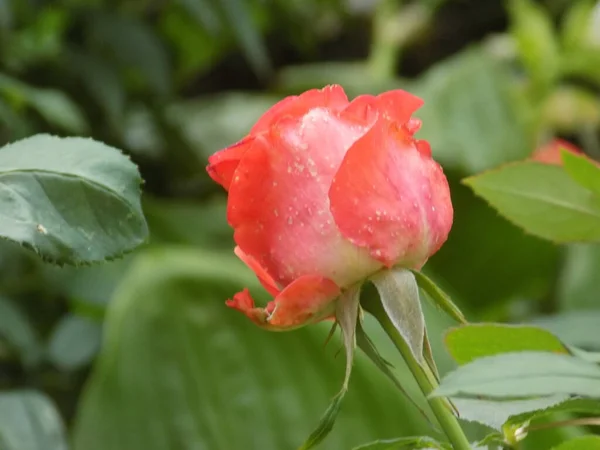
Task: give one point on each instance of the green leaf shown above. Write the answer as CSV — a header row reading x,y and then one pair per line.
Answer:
x,y
134,46
470,342
247,35
74,342
346,316
72,200
326,423
574,327
54,106
583,170
439,297
403,443
584,406
578,280
18,332
576,25
495,413
542,199
533,31
522,374
580,443
471,104
29,420
214,122
174,356
399,296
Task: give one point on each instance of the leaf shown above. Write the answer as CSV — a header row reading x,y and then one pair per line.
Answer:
x,y
471,105
585,406
440,299
576,25
72,200
214,122
247,35
18,331
134,46
29,420
522,374
346,316
74,342
542,199
580,443
54,106
175,357
577,284
469,342
583,170
399,296
403,443
533,31
574,327
495,413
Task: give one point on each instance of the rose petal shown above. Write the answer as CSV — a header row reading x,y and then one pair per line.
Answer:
x,y
308,299
222,165
391,198
263,276
332,97
398,105
279,205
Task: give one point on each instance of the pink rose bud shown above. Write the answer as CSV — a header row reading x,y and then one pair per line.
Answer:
x,y
324,192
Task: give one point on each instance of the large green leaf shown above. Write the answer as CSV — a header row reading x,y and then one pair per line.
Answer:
x,y
521,375
542,199
583,170
580,443
74,342
470,342
29,421
578,283
72,200
180,370
18,331
576,328
471,116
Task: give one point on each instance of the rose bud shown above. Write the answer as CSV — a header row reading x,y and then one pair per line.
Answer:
x,y
323,193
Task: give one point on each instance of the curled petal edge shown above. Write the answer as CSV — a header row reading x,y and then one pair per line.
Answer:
x,y
308,299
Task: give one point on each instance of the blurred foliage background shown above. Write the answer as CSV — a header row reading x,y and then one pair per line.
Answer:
x,y
141,353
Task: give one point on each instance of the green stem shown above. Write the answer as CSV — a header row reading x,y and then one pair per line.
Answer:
x,y
384,48
424,377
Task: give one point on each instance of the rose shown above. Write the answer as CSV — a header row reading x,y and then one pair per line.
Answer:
x,y
323,193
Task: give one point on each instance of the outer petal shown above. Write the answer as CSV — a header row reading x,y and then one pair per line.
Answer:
x,y
398,105
391,198
263,276
222,165
308,299
332,97
279,204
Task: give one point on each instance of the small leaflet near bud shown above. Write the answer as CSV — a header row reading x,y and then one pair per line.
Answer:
x,y
346,315
440,299
399,296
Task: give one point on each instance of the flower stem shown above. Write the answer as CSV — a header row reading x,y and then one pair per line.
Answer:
x,y
424,377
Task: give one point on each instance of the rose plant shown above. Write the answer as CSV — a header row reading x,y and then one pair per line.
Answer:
x,y
325,194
